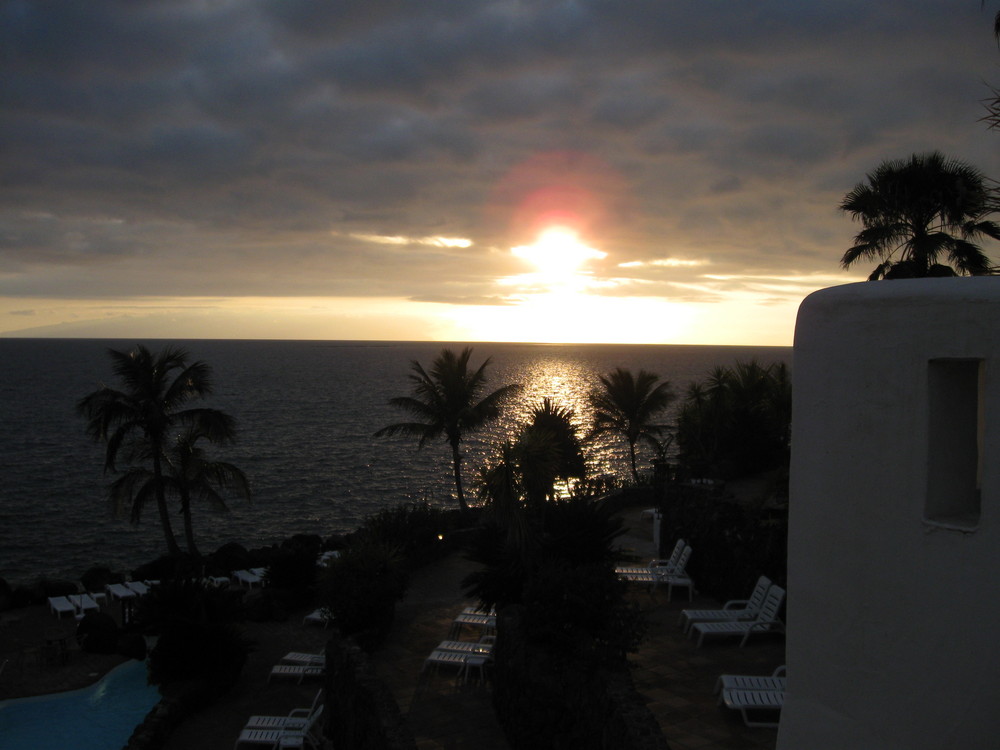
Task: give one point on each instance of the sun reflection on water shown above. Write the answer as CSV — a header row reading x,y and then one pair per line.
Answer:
x,y
567,382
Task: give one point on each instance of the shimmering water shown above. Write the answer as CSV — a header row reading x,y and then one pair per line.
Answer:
x,y
100,717
306,411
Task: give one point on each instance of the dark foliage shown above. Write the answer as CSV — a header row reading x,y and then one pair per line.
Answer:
x,y
745,542
577,613
736,422
360,589
294,572
418,532
187,650
186,599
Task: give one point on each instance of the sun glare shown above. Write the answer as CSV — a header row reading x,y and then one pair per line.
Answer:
x,y
558,254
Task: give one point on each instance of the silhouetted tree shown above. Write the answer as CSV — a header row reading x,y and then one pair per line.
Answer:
x,y
918,212
625,406
447,402
139,422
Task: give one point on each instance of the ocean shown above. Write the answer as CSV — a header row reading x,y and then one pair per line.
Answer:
x,y
306,414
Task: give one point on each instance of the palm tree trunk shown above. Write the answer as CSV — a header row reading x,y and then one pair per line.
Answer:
x,y
161,505
631,455
456,458
188,526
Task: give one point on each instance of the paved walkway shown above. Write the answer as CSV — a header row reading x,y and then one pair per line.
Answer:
x,y
675,677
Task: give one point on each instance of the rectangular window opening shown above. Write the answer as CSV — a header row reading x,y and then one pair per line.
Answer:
x,y
955,442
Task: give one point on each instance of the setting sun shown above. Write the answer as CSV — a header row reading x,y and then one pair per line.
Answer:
x,y
558,254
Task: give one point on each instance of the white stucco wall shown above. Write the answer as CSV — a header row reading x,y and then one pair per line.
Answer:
x,y
893,622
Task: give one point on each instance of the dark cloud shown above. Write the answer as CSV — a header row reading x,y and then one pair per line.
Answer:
x,y
180,147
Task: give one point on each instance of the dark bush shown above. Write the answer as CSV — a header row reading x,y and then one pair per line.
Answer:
x,y
97,633
229,557
578,614
303,544
96,578
361,588
56,588
418,531
293,571
132,645
187,599
733,543
168,566
214,652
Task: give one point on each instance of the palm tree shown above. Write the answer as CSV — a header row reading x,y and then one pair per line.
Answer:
x,y
447,402
196,477
558,422
137,422
626,404
919,211
737,421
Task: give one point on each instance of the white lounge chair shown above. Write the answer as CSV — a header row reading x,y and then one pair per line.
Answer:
x,y
61,605
487,623
734,609
309,660
675,576
774,681
648,573
297,718
283,737
673,563
252,577
483,646
140,588
766,620
83,603
746,701
298,672
119,592
321,616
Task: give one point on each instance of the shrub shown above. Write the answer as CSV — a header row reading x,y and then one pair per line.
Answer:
x,y
187,599
418,531
361,587
293,571
214,652
578,614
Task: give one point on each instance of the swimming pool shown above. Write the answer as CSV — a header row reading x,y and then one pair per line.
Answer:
x,y
100,717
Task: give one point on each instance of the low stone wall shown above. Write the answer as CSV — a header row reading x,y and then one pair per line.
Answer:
x,y
549,704
360,711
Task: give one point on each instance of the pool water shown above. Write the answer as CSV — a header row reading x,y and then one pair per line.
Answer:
x,y
100,717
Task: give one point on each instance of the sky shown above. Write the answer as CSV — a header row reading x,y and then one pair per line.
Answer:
x,y
614,171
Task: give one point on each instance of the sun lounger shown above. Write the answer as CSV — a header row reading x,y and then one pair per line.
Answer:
x,y
673,563
675,575
140,588
119,591
766,621
438,658
734,609
251,577
746,701
297,718
309,660
487,623
774,681
655,568
83,603
61,605
321,616
298,672
284,736
467,647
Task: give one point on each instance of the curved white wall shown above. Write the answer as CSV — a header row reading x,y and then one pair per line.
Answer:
x,y
893,618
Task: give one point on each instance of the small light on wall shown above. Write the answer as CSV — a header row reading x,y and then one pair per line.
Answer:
x,y
440,537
